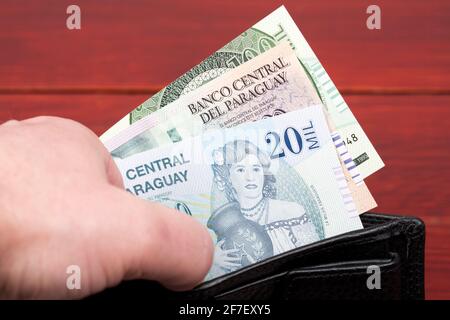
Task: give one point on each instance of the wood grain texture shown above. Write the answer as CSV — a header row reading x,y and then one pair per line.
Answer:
x,y
410,133
142,44
412,136
397,80
96,111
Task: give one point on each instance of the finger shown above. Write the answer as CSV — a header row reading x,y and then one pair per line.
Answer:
x,y
161,244
113,173
87,139
9,123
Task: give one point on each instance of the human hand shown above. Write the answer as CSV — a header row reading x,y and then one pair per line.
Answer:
x,y
225,258
62,203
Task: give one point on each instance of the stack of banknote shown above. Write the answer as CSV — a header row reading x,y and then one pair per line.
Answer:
x,y
256,143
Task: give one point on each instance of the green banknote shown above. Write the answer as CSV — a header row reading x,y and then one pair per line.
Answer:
x,y
261,188
271,84
266,34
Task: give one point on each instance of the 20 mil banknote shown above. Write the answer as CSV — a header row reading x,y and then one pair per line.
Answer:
x,y
262,36
271,84
261,188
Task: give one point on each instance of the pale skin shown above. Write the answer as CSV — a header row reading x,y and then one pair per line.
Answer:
x,y
62,203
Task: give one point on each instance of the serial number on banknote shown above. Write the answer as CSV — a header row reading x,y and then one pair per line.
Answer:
x,y
353,138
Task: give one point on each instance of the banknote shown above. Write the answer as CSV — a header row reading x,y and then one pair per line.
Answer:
x,y
271,84
266,34
261,188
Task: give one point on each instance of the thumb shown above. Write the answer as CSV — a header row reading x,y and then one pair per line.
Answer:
x,y
159,243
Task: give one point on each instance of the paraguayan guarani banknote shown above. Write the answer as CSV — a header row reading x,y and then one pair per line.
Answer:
x,y
266,34
261,188
271,84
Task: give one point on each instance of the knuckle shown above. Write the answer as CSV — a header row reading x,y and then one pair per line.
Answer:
x,y
11,122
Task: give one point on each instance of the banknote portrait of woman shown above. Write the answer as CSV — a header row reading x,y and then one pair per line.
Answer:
x,y
257,214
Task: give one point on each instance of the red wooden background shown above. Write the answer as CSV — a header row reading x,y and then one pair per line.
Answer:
x,y
396,80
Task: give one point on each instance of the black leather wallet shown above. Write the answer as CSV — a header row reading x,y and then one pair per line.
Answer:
x,y
334,268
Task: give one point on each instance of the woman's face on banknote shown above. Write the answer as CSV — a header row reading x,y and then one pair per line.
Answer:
x,y
247,177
